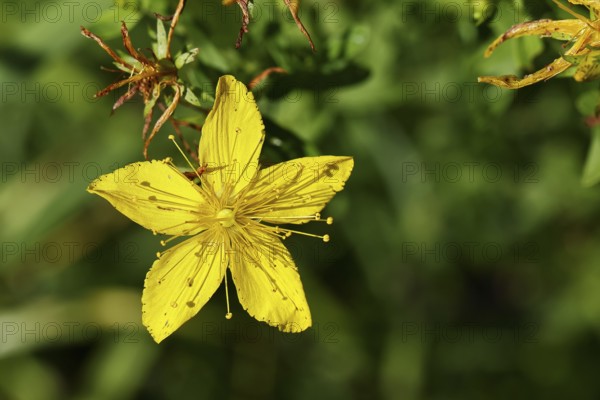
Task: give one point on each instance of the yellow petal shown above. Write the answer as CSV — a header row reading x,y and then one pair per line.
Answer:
x,y
180,283
561,30
588,68
268,283
513,82
232,137
286,192
155,195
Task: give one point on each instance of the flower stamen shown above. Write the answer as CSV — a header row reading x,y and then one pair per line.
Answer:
x,y
285,233
228,315
172,139
164,242
208,194
316,217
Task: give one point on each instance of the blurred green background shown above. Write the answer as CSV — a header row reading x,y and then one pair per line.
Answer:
x,y
464,261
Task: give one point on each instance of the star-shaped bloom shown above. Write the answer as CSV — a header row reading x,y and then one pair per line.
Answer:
x,y
232,214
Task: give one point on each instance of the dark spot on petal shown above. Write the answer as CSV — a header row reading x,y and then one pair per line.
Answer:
x,y
331,169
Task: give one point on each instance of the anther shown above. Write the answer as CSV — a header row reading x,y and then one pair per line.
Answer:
x,y
228,315
326,238
329,220
164,242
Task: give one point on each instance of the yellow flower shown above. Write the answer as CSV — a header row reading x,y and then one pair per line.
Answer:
x,y
233,216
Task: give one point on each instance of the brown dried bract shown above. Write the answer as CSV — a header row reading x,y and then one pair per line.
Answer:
x,y
147,76
292,5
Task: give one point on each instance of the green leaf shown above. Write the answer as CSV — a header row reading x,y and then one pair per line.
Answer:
x,y
152,102
191,98
587,102
358,39
118,368
591,170
211,55
186,58
479,10
161,40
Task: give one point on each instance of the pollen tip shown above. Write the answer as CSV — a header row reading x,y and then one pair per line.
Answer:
x,y
158,254
317,215
171,137
329,220
228,315
326,238
163,243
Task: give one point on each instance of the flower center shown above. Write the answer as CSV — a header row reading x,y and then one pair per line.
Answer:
x,y
226,217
